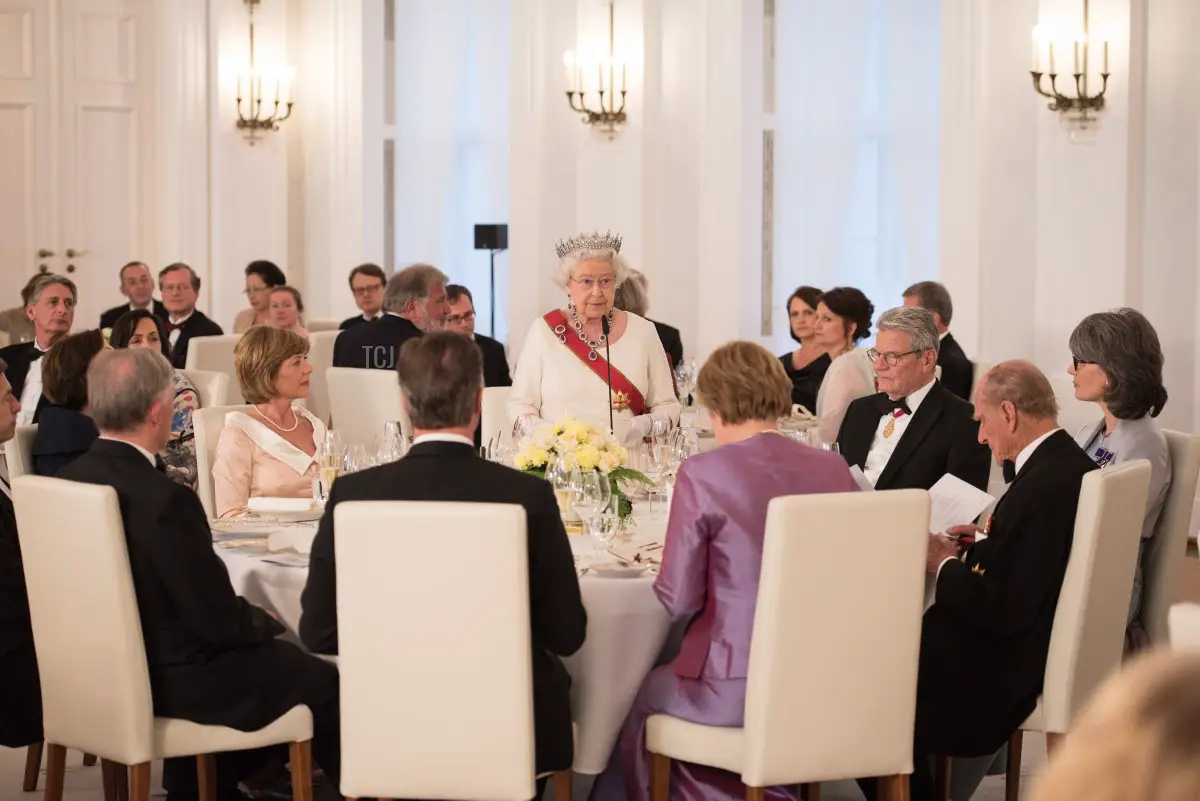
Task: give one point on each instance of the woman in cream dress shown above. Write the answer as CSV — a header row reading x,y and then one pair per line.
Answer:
x,y
562,369
273,450
843,319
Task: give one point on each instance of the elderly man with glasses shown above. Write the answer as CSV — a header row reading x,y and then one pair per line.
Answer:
x,y
914,430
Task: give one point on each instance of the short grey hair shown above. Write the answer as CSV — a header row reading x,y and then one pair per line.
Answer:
x,y
413,283
634,294
916,322
34,289
933,296
1124,344
124,383
1023,385
567,264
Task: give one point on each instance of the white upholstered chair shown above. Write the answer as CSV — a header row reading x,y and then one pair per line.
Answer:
x,y
465,688
818,706
90,653
321,325
207,424
1184,625
212,388
1163,560
18,452
361,401
493,418
320,356
1088,639
215,355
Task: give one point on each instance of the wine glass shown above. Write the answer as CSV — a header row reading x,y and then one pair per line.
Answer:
x,y
605,525
559,476
590,493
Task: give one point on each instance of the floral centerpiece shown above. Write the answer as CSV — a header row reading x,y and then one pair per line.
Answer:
x,y
577,444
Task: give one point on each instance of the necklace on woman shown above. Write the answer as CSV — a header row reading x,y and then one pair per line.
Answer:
x,y
295,420
577,324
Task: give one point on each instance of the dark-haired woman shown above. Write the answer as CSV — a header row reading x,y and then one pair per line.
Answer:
x,y
65,429
843,319
807,364
1116,363
261,277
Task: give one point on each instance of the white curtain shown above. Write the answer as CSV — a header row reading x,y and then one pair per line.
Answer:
x,y
856,140
451,157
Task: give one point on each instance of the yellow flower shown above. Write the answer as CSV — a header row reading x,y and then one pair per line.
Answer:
x,y
587,456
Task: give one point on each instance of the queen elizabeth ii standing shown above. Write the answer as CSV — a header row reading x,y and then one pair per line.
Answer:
x,y
563,369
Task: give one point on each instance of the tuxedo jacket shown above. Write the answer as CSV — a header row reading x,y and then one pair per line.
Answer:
x,y
448,471
19,358
495,362
671,341
958,372
21,700
213,656
198,325
374,345
351,322
985,639
109,318
941,438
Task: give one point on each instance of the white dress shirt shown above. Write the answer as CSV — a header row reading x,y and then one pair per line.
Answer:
x,y
883,447
173,337
31,393
459,438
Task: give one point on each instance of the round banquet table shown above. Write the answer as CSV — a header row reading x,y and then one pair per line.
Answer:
x,y
626,630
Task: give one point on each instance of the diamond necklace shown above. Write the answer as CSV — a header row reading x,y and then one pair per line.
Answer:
x,y
577,324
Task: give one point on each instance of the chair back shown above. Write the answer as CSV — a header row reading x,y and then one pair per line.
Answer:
x,y
1184,624
819,641
207,424
1089,624
18,452
1163,561
86,629
313,326
361,401
494,417
212,388
215,355
320,356
459,684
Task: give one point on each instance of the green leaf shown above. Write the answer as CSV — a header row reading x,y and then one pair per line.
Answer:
x,y
628,474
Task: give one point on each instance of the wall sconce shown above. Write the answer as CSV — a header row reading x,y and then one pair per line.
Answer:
x,y
255,86
611,115
1079,114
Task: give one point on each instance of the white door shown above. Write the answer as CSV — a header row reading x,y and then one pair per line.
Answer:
x,y
91,89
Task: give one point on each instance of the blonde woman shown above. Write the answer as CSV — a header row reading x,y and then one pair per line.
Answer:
x,y
287,309
273,449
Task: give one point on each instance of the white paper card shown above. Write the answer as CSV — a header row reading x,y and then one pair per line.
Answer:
x,y
861,479
954,502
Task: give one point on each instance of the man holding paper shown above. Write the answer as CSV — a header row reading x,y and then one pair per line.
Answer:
x,y
914,431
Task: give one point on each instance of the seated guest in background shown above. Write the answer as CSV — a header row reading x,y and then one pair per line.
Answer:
x,y
261,277
711,565
65,428
958,373
366,282
414,302
141,329
214,658
138,286
806,365
21,701
985,638
15,322
1116,363
461,318
273,450
50,304
843,318
441,376
286,309
914,431
180,288
633,295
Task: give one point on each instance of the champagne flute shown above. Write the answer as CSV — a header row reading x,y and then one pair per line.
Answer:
x,y
588,494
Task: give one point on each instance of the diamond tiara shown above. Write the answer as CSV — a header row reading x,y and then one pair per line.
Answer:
x,y
593,241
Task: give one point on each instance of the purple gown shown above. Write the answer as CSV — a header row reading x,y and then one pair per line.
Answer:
x,y
709,576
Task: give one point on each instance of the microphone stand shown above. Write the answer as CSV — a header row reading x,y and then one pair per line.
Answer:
x,y
608,358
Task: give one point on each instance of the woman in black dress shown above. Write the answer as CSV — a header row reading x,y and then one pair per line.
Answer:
x,y
806,365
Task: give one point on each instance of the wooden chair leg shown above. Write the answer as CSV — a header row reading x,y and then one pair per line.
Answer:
x,y
33,766
56,764
89,760
894,788
756,793
116,780
1012,777
206,777
810,792
139,782
1054,741
562,785
660,777
942,769
300,759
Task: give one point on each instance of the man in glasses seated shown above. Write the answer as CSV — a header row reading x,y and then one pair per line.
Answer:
x,y
462,319
914,430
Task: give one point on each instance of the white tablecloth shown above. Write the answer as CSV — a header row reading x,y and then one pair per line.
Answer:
x,y
627,627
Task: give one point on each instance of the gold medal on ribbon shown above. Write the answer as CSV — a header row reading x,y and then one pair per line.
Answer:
x,y
890,428
620,401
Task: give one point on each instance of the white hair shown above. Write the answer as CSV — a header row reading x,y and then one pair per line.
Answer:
x,y
566,265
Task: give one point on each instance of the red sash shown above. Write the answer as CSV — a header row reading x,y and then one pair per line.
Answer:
x,y
566,335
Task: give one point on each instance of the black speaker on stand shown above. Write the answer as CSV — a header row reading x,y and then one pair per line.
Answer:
x,y
494,239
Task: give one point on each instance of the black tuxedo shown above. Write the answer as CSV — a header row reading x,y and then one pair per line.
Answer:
x,y
374,345
941,438
18,358
351,322
447,471
958,373
495,362
213,657
109,318
21,700
671,341
198,325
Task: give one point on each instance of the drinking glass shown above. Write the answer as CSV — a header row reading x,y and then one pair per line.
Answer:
x,y
605,526
590,493
559,477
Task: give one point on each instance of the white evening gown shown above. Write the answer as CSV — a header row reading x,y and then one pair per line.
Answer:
x,y
850,376
551,382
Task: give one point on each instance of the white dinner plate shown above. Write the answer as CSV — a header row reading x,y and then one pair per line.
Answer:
x,y
618,570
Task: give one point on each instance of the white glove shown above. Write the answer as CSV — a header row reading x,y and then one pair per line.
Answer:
x,y
639,428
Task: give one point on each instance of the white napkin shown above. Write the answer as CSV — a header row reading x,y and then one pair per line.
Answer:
x,y
279,504
298,539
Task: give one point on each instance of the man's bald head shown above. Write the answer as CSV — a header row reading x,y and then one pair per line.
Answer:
x,y
1014,405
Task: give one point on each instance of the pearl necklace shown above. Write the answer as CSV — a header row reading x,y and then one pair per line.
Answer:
x,y
295,418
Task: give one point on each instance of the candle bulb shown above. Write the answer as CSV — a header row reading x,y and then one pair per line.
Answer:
x,y
623,75
1076,56
1105,57
569,69
1052,58
600,76
1037,49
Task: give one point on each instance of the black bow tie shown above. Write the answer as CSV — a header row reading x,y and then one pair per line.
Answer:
x,y
889,406
37,354
170,326
159,464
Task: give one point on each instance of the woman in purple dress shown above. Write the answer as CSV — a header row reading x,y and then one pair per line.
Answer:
x,y
711,566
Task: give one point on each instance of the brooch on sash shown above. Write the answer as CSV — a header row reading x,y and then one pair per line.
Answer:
x,y
620,401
